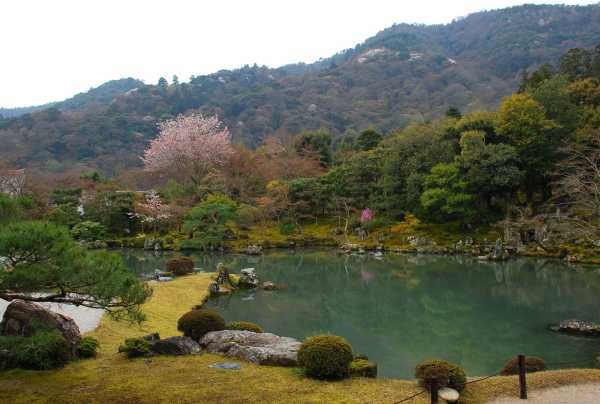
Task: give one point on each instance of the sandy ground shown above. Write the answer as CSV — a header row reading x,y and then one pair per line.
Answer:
x,y
588,393
87,319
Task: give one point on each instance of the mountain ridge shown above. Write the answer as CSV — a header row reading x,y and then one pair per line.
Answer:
x,y
415,75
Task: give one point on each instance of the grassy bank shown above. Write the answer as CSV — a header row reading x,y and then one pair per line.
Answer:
x,y
112,378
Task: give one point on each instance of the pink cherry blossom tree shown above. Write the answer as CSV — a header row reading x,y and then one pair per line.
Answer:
x,y
367,217
152,211
189,147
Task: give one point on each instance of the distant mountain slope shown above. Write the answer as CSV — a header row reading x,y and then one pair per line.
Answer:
x,y
103,94
404,74
7,112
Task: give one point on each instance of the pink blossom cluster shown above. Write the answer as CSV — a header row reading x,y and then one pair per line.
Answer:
x,y
153,210
188,147
367,215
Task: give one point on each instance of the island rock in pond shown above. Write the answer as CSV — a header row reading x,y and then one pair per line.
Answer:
x,y
578,327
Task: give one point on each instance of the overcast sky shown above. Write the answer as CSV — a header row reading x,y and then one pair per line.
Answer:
x,y
52,50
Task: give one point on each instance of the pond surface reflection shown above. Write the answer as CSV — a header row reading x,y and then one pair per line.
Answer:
x,y
406,309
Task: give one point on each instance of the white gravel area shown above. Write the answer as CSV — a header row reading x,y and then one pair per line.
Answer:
x,y
87,319
588,393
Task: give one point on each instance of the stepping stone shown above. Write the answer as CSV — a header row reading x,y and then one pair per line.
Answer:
x,y
226,366
448,394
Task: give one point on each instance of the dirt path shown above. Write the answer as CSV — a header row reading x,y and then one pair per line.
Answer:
x,y
588,393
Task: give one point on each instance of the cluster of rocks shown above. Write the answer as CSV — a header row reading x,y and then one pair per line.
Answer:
x,y
352,248
152,243
247,280
251,250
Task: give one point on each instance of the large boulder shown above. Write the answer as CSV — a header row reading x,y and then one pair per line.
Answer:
x,y
253,250
17,321
149,243
176,346
263,349
499,253
578,327
248,279
361,233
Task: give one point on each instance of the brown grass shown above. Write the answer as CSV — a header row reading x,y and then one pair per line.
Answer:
x,y
112,378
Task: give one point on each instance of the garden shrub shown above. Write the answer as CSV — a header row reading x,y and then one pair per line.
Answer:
x,y
180,266
447,373
88,347
286,227
196,323
42,351
88,230
244,218
325,357
532,365
169,240
135,347
244,326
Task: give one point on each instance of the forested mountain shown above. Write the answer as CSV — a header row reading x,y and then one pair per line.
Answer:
x,y
103,94
7,112
404,74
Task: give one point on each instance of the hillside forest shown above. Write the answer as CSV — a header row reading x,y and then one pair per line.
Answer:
x,y
535,158
168,159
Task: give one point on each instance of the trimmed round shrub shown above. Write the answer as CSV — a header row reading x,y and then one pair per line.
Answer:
x,y
180,266
325,357
447,373
196,323
88,347
244,326
135,347
532,365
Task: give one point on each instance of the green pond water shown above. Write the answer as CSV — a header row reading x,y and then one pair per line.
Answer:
x,y
405,309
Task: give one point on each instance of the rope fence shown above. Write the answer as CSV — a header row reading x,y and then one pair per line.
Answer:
x,y
433,390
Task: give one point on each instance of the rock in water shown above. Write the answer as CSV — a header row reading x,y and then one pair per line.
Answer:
x,y
269,286
578,327
448,394
248,279
499,253
19,313
253,250
149,243
262,349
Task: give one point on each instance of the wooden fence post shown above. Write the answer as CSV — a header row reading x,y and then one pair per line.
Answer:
x,y
434,390
522,379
